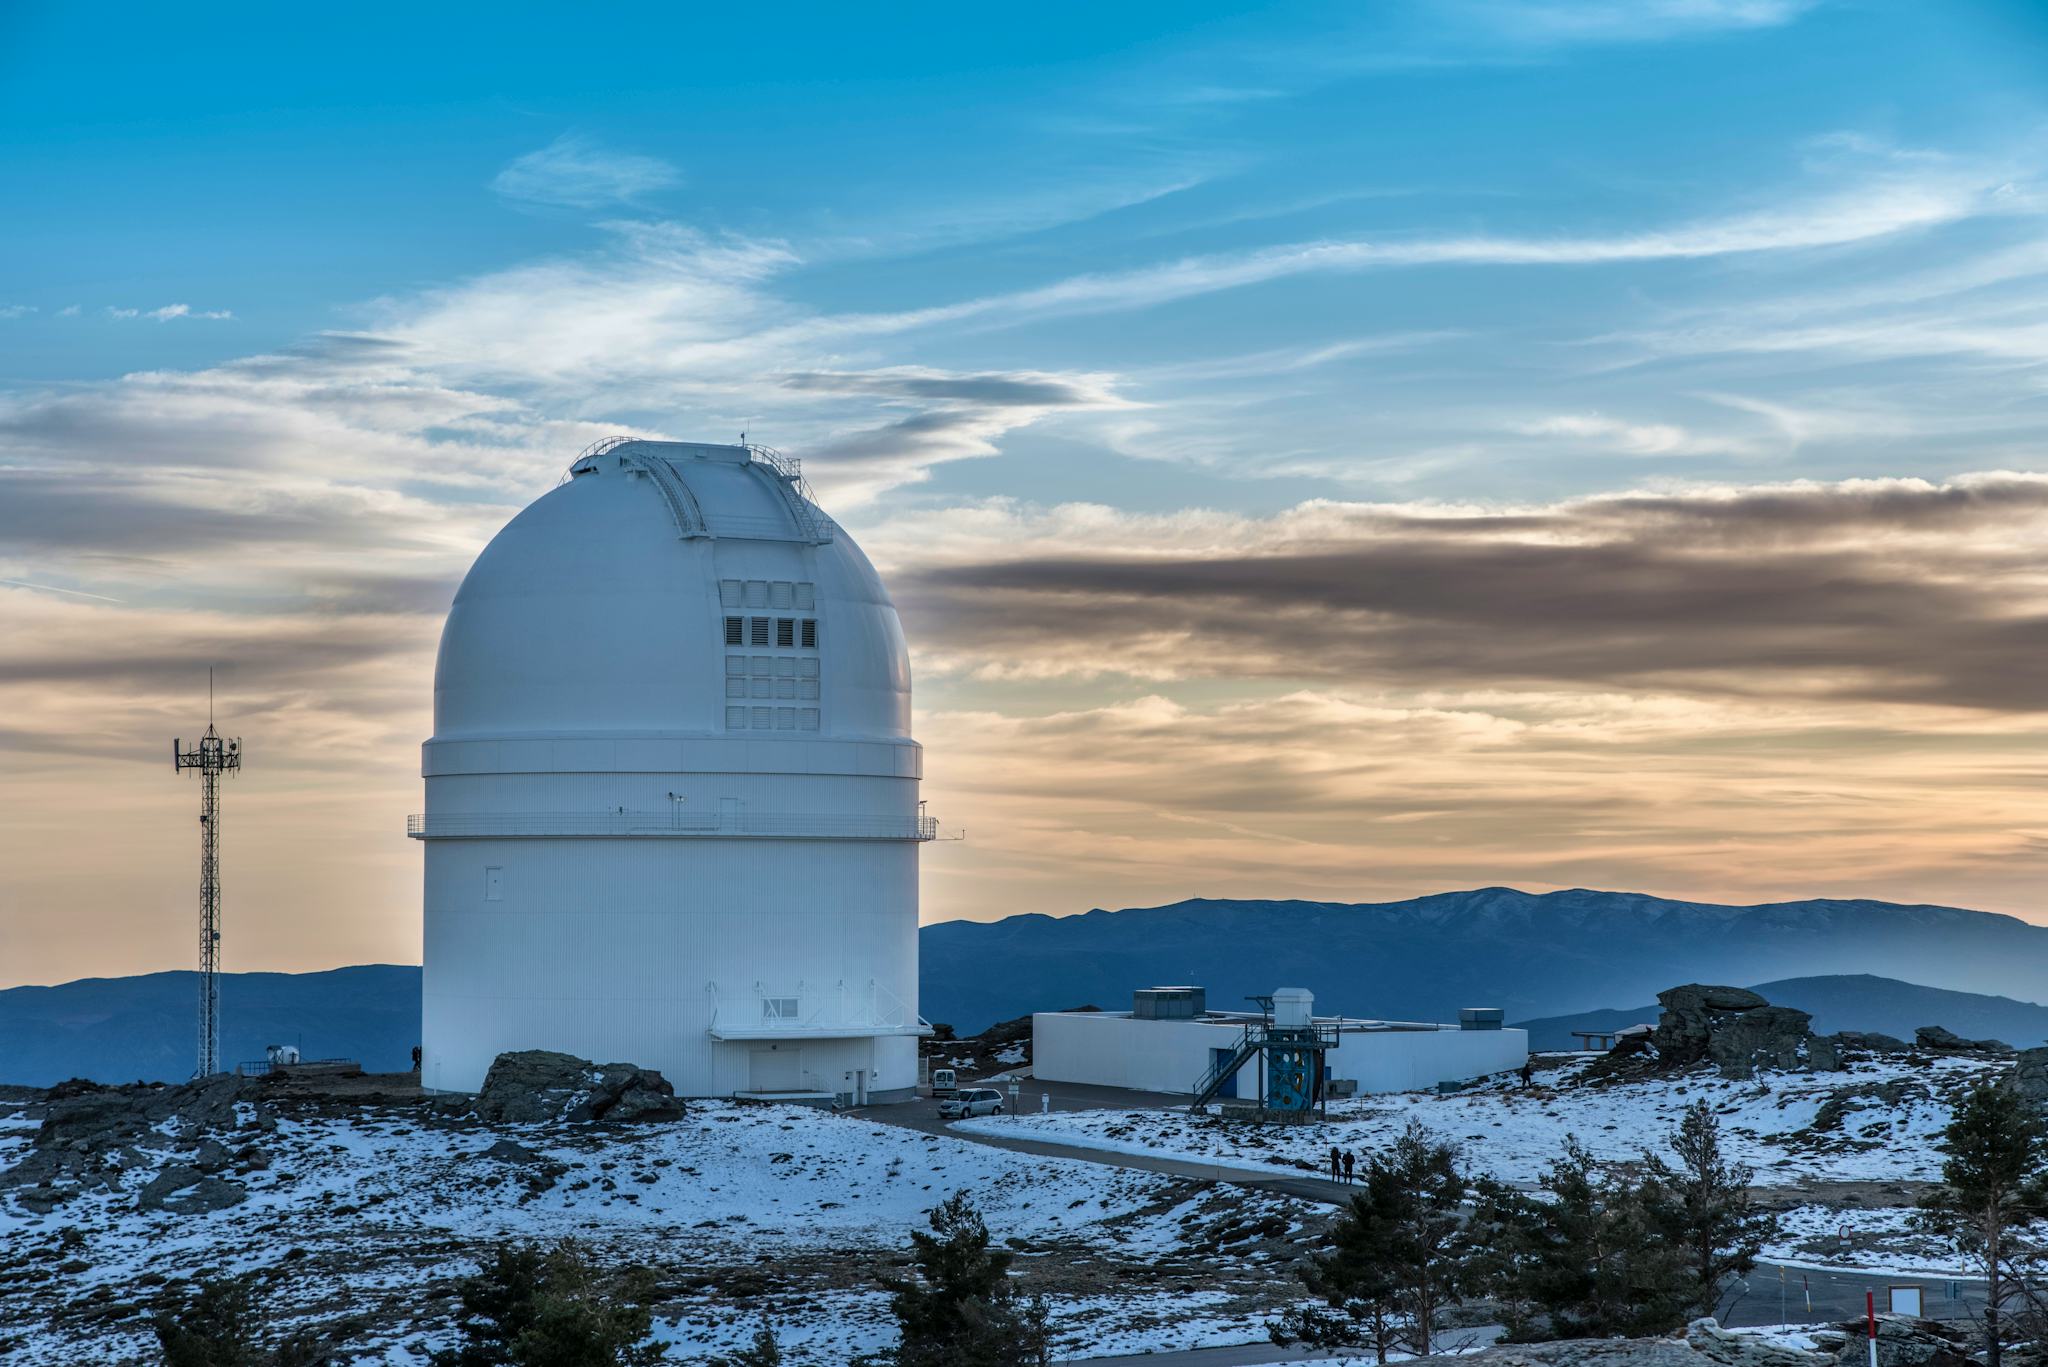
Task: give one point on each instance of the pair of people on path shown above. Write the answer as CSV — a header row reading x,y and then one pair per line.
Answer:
x,y
1343,1164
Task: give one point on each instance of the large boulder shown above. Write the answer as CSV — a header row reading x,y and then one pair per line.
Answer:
x,y
1869,1042
1704,1344
1903,1341
1940,1040
2030,1074
186,1190
535,1085
1767,1037
1738,1031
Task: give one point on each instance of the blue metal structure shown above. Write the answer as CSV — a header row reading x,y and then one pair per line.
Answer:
x,y
1294,1064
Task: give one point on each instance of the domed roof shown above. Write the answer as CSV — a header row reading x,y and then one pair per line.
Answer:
x,y
609,606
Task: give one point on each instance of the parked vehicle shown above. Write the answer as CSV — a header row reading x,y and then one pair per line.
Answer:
x,y
944,1084
973,1101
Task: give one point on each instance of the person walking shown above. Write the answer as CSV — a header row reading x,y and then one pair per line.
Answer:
x,y
1350,1166
1336,1164
415,1058
1528,1071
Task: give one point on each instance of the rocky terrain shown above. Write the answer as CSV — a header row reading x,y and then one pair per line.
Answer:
x,y
1901,1343
359,1202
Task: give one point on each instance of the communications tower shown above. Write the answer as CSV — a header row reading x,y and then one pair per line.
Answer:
x,y
213,756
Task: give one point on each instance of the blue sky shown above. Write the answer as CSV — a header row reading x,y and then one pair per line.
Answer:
x,y
1278,349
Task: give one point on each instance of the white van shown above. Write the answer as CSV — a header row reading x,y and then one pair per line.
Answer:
x,y
973,1101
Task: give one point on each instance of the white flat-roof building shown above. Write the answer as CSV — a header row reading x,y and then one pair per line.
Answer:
x,y
1169,1041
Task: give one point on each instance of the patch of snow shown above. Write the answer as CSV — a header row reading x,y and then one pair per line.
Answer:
x,y
1513,1133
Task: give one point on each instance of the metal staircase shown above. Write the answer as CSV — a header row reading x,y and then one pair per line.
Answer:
x,y
1226,1068
1294,1056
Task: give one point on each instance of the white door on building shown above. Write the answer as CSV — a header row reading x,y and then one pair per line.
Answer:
x,y
775,1070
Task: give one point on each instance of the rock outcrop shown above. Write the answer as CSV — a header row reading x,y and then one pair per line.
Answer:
x,y
1901,1342
1938,1040
1704,1344
91,1136
536,1085
2030,1074
1739,1032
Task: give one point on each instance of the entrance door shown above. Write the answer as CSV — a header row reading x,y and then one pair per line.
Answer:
x,y
1217,1058
775,1070
860,1086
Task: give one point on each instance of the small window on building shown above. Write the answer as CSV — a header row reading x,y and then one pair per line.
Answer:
x,y
806,596
761,718
785,632
757,593
807,688
807,668
757,634
735,688
785,688
764,688
810,633
736,718
785,719
780,593
778,1008
494,884
733,632
735,664
785,668
809,718
731,593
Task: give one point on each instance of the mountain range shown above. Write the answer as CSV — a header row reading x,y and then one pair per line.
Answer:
x,y
1532,954
1540,956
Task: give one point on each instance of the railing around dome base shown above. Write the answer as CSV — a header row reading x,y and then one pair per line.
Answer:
x,y
671,824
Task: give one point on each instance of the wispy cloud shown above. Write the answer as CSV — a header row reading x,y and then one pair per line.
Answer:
x,y
1892,591
575,172
1626,21
1599,431
170,312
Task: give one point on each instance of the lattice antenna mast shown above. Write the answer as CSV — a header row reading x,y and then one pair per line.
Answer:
x,y
213,756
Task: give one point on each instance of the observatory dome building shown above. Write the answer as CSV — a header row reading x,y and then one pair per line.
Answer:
x,y
671,796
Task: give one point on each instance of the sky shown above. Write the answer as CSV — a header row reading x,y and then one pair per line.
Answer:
x,y
1342,452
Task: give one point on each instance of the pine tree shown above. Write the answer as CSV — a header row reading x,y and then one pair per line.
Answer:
x,y
222,1324
532,1308
962,1310
1991,1188
1507,1237
1589,1262
1396,1256
1704,1207
764,1351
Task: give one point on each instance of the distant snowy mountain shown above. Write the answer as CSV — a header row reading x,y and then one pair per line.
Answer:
x,y
1852,1001
1536,955
1532,954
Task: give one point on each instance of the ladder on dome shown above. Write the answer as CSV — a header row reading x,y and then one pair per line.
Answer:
x,y
787,475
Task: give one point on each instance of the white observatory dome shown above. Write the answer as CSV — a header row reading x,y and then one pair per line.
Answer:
x,y
671,797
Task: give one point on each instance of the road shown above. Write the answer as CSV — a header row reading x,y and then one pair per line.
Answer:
x,y
1771,1294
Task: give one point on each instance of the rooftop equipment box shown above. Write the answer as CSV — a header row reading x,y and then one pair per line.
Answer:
x,y
1480,1018
1169,1003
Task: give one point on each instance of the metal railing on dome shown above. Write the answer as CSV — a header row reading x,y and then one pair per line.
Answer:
x,y
673,823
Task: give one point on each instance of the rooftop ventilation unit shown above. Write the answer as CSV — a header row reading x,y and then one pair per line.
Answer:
x,y
1169,1003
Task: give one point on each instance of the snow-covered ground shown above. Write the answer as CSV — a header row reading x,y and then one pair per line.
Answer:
x,y
738,1209
1513,1134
